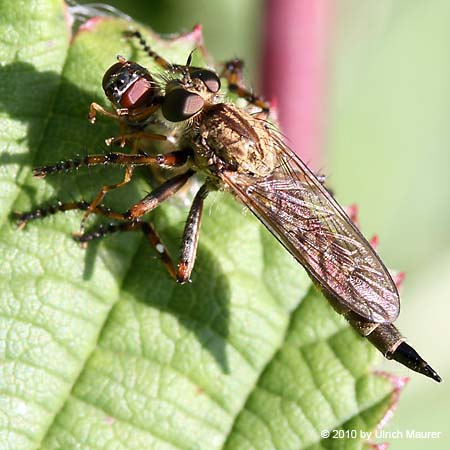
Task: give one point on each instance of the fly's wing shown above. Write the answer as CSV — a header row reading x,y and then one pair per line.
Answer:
x,y
312,226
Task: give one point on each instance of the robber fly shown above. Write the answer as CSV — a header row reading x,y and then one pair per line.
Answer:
x,y
242,153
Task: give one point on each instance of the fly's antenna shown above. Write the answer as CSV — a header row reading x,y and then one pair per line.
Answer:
x,y
189,59
163,63
186,68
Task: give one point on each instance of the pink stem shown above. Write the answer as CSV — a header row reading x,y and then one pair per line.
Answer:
x,y
295,70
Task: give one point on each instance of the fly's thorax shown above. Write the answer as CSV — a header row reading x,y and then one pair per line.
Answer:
x,y
227,136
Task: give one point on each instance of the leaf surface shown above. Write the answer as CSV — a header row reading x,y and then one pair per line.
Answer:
x,y
99,348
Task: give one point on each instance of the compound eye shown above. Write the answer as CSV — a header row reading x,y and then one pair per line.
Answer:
x,y
116,80
180,104
111,73
138,94
210,79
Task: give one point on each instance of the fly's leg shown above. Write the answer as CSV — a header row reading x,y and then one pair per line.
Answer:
x,y
136,115
163,63
44,211
146,228
190,236
144,206
102,230
148,231
96,108
134,137
149,202
168,160
127,177
233,72
131,222
116,115
157,196
103,191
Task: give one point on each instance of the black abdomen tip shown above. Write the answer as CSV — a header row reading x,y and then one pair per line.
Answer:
x,y
407,356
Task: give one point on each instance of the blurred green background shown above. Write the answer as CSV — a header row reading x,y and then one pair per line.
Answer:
x,y
388,141
388,151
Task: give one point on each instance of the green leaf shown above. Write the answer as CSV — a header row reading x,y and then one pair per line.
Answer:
x,y
99,348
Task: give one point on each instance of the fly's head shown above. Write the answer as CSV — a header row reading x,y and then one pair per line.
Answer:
x,y
129,85
181,92
186,95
